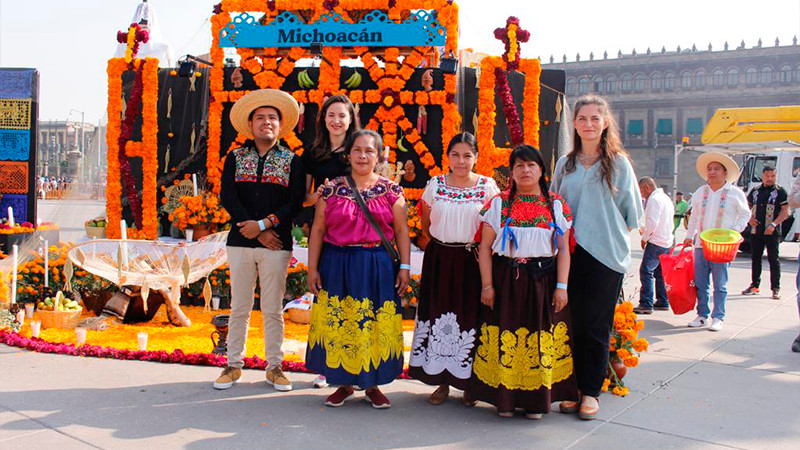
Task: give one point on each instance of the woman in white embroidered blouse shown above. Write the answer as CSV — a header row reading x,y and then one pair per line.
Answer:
x,y
449,299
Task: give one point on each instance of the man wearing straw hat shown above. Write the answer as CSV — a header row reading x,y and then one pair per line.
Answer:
x,y
263,186
717,204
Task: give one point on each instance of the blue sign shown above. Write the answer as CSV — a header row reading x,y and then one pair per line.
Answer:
x,y
374,30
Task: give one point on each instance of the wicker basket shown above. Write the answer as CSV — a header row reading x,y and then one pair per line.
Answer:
x,y
95,232
301,316
59,319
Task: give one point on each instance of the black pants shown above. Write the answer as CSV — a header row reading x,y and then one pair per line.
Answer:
x,y
757,244
593,292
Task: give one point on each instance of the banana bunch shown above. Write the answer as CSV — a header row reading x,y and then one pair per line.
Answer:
x,y
354,81
59,303
304,80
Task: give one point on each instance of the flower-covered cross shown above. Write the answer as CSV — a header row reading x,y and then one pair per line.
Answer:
x,y
135,35
511,36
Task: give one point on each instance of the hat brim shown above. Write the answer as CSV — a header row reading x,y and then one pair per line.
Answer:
x,y
283,102
707,158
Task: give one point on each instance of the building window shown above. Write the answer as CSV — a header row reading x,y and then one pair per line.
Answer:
x,y
766,75
638,82
663,168
635,128
611,84
669,81
751,76
583,85
718,78
786,74
598,84
664,127
700,79
733,77
626,82
686,80
694,125
571,86
656,82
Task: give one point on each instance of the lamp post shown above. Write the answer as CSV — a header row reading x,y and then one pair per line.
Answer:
x,y
82,148
675,153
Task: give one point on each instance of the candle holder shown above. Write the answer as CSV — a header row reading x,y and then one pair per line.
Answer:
x,y
220,321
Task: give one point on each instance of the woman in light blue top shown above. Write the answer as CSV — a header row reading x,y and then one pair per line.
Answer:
x,y
597,180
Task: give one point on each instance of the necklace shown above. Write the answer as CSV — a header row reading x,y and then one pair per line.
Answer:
x,y
587,160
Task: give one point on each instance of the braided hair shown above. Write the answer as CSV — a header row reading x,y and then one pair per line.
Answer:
x,y
525,152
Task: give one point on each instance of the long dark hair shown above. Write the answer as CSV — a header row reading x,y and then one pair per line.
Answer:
x,y
529,153
610,141
321,148
463,138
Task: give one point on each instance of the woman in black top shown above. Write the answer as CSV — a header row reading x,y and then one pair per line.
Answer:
x,y
325,160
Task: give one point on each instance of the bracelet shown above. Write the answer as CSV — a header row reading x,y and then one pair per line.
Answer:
x,y
773,225
261,225
273,219
405,266
561,286
487,288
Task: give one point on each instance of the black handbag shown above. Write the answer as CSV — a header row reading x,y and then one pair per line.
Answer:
x,y
393,254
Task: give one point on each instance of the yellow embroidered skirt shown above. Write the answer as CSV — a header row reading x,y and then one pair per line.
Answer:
x,y
356,333
524,348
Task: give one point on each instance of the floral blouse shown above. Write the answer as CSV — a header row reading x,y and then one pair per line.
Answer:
x,y
345,222
454,210
530,232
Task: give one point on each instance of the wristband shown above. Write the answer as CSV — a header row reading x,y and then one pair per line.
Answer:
x,y
406,267
487,288
274,220
261,225
561,286
773,225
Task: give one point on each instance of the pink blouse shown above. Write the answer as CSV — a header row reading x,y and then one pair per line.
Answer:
x,y
345,222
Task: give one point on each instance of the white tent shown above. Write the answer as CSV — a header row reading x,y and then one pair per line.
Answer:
x,y
155,47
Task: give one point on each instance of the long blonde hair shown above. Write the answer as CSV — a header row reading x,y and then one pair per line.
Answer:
x,y
610,141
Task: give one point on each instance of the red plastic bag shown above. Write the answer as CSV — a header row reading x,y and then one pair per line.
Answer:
x,y
678,272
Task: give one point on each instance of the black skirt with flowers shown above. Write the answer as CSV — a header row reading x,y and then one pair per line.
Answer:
x,y
447,315
524,348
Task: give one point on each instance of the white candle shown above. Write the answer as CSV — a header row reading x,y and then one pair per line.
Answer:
x,y
142,338
36,328
215,303
11,216
14,260
189,234
194,183
80,335
123,229
29,310
38,222
46,263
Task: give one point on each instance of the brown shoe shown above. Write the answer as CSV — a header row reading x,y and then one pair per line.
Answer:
x,y
377,399
278,380
569,406
338,397
587,412
467,400
230,375
439,395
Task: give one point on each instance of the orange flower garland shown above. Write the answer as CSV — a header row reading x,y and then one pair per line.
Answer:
x,y
202,209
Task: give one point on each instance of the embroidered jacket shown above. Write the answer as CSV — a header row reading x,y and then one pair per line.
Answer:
x,y
262,187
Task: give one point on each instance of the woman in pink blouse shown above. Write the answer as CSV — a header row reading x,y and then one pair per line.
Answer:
x,y
356,334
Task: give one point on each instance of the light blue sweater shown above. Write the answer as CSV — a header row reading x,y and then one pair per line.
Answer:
x,y
602,220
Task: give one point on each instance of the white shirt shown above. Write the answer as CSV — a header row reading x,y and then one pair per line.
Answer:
x,y
734,217
454,210
658,219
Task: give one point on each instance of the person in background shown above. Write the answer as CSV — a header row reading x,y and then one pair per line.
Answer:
x,y
262,188
657,237
765,202
597,180
717,204
794,202
681,207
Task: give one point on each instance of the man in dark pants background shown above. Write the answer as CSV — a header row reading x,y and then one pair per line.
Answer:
x,y
766,202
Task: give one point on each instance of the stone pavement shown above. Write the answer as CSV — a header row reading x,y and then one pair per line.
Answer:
x,y
739,388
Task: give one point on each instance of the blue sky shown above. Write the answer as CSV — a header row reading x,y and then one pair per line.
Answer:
x,y
70,42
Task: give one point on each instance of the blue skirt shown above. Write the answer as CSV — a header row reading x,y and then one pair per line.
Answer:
x,y
356,333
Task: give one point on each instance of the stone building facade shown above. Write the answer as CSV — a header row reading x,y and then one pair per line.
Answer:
x,y
660,97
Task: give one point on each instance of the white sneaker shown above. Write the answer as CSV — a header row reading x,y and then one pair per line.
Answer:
x,y
698,322
716,325
320,382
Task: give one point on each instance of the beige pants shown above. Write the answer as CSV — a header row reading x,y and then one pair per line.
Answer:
x,y
270,267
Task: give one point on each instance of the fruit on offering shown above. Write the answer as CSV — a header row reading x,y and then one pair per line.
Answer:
x,y
59,303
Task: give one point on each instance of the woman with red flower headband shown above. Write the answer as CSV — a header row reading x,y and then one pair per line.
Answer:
x,y
524,346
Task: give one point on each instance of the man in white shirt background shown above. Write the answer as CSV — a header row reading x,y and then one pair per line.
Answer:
x,y
657,238
717,204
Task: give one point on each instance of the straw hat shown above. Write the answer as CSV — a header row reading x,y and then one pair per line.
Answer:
x,y
283,102
707,158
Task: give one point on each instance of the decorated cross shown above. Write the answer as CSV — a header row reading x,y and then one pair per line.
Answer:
x,y
511,36
135,35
